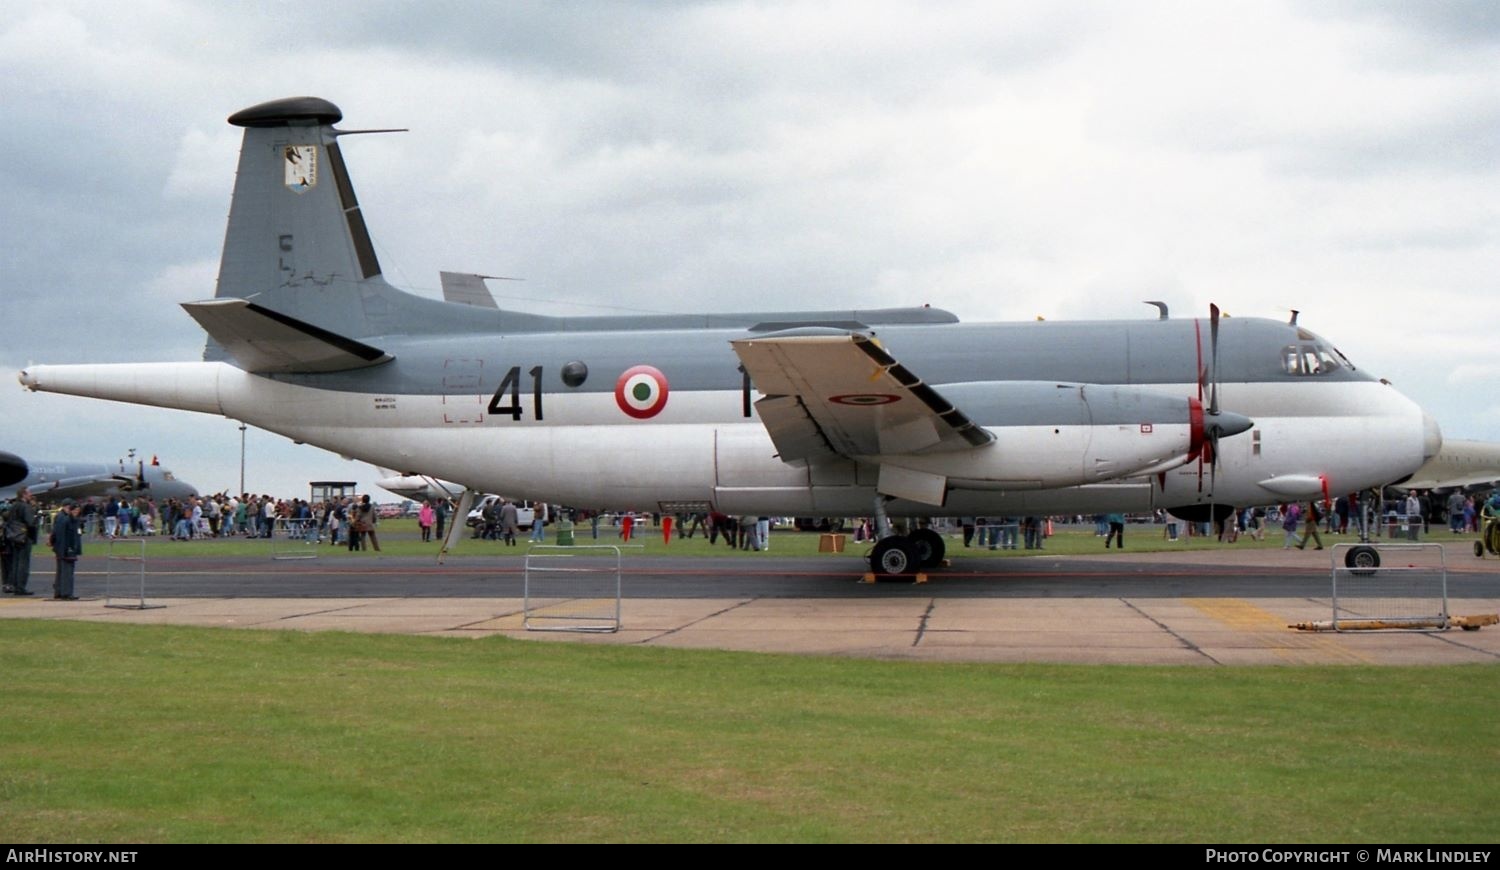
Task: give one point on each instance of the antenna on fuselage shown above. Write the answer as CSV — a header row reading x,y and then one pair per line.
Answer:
x,y
1160,306
1293,321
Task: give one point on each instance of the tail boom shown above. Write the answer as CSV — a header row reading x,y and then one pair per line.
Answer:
x,y
191,386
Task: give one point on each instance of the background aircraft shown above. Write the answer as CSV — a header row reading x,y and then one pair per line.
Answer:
x,y
53,481
12,469
906,412
1467,464
418,487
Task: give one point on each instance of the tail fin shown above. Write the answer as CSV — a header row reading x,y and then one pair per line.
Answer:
x,y
298,252
294,220
296,241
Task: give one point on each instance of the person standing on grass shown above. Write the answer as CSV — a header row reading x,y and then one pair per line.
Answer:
x,y
356,529
20,533
1291,515
509,522
67,543
539,522
368,517
424,521
1413,515
1116,529
1310,529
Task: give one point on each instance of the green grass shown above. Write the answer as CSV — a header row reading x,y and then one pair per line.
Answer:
x,y
401,538
124,733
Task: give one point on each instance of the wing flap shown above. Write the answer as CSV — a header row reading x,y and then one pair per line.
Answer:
x,y
793,429
841,393
265,341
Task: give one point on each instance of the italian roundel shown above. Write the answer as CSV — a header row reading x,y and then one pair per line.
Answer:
x,y
641,392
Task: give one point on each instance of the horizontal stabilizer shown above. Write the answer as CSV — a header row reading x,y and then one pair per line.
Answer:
x,y
466,289
264,341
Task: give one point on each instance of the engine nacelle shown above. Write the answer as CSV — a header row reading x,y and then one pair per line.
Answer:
x,y
1051,434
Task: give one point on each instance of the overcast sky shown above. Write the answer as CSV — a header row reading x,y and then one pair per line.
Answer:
x,y
1001,160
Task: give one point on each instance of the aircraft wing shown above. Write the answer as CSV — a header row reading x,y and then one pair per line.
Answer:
x,y
79,487
262,340
830,392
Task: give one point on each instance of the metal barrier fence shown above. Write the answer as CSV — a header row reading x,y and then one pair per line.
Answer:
x,y
1403,586
572,588
1401,526
119,569
294,539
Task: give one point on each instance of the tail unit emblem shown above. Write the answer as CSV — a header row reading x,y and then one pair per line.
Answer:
x,y
301,162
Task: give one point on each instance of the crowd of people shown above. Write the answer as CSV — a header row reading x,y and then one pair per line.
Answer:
x,y
352,523
347,521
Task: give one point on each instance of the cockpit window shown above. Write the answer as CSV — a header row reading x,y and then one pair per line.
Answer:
x,y
1311,359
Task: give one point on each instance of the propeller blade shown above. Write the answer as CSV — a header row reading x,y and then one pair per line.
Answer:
x,y
1198,435
1213,350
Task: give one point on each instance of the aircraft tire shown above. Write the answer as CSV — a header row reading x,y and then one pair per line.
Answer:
x,y
1363,560
893,556
928,547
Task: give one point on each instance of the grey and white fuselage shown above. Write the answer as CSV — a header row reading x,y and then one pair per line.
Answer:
x,y
760,413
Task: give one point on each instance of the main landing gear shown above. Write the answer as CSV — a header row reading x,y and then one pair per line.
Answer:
x,y
907,554
903,554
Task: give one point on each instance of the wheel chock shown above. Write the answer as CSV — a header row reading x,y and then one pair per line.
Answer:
x,y
1474,623
917,579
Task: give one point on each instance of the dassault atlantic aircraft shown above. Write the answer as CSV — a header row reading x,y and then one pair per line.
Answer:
x,y
418,487
904,412
54,481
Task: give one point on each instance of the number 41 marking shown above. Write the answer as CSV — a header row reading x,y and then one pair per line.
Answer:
x,y
512,382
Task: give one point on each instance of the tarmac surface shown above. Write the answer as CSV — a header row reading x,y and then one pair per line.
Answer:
x,y
1219,607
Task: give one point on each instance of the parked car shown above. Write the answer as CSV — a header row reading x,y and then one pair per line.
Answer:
x,y
525,514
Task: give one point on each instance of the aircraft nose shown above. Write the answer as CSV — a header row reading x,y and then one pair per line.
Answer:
x,y
13,469
1227,423
1432,437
